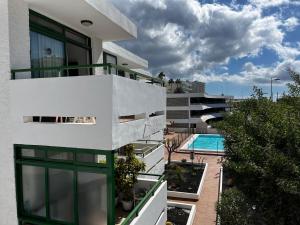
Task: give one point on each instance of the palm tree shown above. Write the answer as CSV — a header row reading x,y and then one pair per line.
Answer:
x,y
171,82
178,82
161,75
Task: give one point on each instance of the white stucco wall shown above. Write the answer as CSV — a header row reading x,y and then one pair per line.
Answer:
x,y
82,96
125,56
153,209
103,97
64,96
97,53
153,158
14,51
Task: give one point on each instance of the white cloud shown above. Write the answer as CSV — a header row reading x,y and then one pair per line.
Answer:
x,y
273,3
253,74
157,4
186,39
291,23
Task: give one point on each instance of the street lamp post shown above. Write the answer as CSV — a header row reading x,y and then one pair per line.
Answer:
x,y
275,79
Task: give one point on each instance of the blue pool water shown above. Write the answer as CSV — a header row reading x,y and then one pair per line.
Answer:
x,y
211,143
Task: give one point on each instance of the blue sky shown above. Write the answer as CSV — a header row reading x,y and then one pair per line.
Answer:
x,y
231,45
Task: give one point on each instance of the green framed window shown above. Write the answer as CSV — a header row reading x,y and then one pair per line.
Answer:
x,y
68,186
53,44
109,58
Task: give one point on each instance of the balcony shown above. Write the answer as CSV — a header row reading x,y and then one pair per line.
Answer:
x,y
108,22
149,209
152,155
89,111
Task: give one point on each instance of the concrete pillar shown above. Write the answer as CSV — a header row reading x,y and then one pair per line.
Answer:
x,y
14,53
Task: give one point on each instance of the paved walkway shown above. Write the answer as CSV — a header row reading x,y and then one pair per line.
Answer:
x,y
205,206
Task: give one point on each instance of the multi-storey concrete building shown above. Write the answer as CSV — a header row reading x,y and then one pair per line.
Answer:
x,y
193,108
64,114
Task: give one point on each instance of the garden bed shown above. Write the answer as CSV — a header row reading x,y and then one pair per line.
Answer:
x,y
185,179
181,214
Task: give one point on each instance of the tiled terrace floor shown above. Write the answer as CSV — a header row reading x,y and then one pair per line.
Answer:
x,y
205,206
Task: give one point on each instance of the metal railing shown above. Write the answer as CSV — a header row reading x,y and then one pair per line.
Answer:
x,y
106,67
135,212
147,150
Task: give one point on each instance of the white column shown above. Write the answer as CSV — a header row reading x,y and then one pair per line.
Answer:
x,y
8,213
14,53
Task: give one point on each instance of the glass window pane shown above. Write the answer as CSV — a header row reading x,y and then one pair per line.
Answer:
x,y
33,153
45,52
77,56
92,198
45,23
61,194
91,158
111,59
60,155
33,180
76,37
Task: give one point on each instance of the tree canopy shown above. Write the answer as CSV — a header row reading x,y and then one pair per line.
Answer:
x,y
262,146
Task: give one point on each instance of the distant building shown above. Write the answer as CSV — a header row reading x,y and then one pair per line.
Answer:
x,y
188,106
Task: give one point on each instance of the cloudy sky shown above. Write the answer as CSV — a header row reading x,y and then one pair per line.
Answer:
x,y
229,44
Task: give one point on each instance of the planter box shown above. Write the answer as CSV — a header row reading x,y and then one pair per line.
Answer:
x,y
189,195
190,207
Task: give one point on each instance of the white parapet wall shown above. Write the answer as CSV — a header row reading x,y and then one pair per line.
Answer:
x,y
106,98
153,158
155,210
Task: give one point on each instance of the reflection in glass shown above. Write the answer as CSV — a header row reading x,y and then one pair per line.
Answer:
x,y
33,180
77,56
26,152
45,52
61,194
92,199
60,155
111,59
91,158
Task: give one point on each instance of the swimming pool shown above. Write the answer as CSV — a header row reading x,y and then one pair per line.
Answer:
x,y
205,142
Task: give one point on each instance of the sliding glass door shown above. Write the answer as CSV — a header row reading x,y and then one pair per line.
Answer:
x,y
54,45
46,52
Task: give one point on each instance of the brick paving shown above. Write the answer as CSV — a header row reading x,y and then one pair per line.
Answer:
x,y
205,206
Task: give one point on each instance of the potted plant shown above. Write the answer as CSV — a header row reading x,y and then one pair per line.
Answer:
x,y
127,170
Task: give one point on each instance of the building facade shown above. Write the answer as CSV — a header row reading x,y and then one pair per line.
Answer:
x,y
68,103
190,108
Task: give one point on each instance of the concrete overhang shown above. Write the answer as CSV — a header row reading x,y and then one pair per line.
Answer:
x,y
125,57
108,22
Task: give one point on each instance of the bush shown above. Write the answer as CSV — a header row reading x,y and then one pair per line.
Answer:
x,y
262,146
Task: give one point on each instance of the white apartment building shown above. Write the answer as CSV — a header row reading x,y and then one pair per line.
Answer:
x,y
193,108
68,103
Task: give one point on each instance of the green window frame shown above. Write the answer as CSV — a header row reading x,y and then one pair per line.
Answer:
x,y
105,55
60,36
103,167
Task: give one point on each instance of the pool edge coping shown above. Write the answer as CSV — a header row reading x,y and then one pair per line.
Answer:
x,y
185,147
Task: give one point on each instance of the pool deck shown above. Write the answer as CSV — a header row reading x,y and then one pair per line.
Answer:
x,y
205,206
